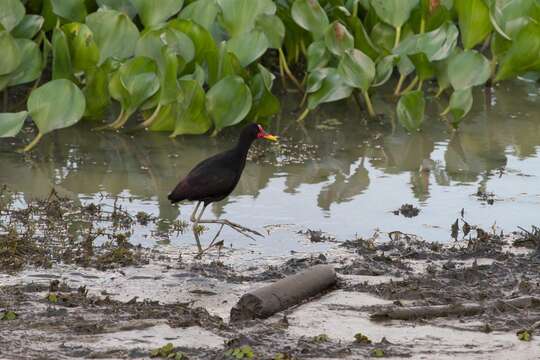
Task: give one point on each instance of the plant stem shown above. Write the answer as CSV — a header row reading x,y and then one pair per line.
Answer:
x,y
422,25
304,99
420,83
303,115
399,85
288,71
33,143
282,73
411,85
446,111
439,91
369,105
398,36
355,9
148,122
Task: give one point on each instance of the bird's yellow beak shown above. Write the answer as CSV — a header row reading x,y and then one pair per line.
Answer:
x,y
270,137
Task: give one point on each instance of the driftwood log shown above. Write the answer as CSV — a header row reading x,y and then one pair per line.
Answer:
x,y
268,300
467,309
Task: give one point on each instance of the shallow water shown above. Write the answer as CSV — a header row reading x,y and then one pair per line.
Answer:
x,y
334,174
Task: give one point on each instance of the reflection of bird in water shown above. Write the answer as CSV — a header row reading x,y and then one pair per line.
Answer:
x,y
215,178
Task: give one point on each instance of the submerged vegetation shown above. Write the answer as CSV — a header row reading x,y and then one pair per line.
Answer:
x,y
190,67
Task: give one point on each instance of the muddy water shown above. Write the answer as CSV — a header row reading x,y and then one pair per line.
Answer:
x,y
335,173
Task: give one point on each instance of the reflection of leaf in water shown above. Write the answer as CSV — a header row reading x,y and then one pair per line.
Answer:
x,y
344,188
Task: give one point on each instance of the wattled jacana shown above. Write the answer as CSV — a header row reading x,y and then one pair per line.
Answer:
x,y
215,178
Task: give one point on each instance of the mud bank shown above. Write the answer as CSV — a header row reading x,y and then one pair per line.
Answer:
x,y
72,311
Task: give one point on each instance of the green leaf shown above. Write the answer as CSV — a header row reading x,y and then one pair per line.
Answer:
x,y
154,12
384,69
357,69
317,55
474,21
309,15
362,41
332,88
11,54
56,105
221,63
11,13
239,16
264,102
202,12
168,73
12,123
383,36
436,45
424,69
467,69
410,110
508,17
248,47
394,12
460,104
337,38
405,66
523,55
73,10
61,67
378,353
124,6
96,92
273,29
82,47
228,102
114,33
31,65
524,335
9,316
202,40
134,83
28,27
191,114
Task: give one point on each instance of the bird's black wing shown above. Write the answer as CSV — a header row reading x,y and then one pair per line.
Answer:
x,y
212,178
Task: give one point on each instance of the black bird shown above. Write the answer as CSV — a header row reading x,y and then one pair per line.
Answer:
x,y
215,178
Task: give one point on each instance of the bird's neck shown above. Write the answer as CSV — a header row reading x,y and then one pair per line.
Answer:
x,y
242,147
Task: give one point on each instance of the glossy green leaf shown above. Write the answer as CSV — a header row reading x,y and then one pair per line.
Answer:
x,y
202,12
357,69
82,47
468,69
264,102
49,17
56,105
11,54
168,73
124,6
405,66
394,12
134,83
239,16
424,69
200,37
338,39
192,117
11,13
316,77
523,55
310,15
362,40
28,27
73,10
317,55
198,75
383,37
273,29
96,92
436,45
248,47
410,110
11,123
384,69
61,64
228,102
460,104
114,33
474,21
508,17
165,118
154,12
31,65
151,42
332,88
221,63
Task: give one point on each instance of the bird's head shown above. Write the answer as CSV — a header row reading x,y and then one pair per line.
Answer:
x,y
261,134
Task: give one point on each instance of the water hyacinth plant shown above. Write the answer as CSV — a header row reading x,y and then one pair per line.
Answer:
x,y
195,66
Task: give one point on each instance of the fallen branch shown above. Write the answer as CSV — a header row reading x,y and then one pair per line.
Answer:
x,y
468,309
268,300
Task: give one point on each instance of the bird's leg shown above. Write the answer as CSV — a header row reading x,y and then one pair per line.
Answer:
x,y
211,242
195,228
241,229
